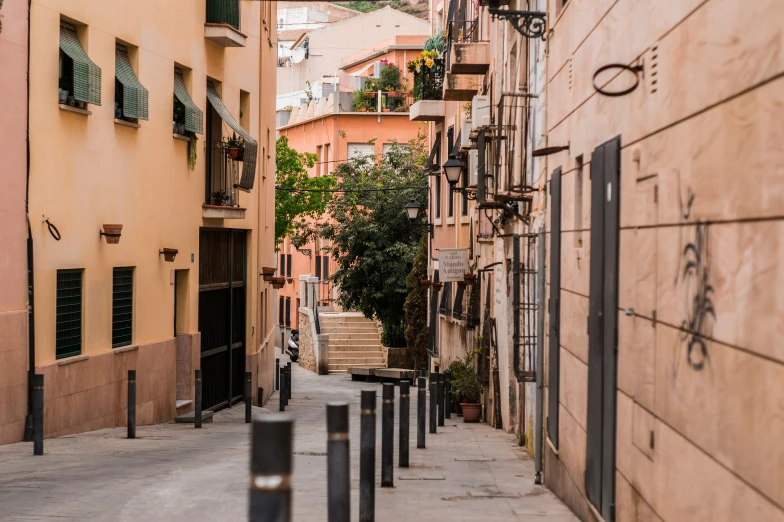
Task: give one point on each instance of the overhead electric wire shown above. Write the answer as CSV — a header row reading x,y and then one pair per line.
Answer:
x,y
387,189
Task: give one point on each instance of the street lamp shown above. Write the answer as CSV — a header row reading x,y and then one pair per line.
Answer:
x,y
453,168
412,209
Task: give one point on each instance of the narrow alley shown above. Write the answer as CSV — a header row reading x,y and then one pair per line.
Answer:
x,y
175,472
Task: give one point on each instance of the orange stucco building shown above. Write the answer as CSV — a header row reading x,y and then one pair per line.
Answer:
x,y
335,132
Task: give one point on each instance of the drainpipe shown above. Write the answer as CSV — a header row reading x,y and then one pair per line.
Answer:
x,y
28,433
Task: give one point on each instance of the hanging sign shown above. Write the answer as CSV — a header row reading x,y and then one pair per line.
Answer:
x,y
452,264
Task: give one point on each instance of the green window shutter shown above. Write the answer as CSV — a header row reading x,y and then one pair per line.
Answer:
x,y
86,75
135,96
251,147
122,307
193,115
68,314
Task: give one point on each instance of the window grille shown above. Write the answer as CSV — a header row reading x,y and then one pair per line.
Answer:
x,y
122,307
68,316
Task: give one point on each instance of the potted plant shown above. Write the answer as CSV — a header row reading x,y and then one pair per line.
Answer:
x,y
465,388
219,198
112,233
235,146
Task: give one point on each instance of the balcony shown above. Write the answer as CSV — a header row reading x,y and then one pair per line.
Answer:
x,y
469,53
222,200
428,91
223,23
461,87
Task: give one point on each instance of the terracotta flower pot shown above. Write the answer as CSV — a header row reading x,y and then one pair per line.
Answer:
x,y
362,109
169,254
112,233
267,272
471,411
469,278
385,110
437,286
424,283
278,282
234,152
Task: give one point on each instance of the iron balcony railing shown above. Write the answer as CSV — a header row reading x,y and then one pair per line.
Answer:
x,y
429,81
223,173
224,12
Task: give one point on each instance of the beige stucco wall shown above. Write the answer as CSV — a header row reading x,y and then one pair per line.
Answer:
x,y
89,170
13,223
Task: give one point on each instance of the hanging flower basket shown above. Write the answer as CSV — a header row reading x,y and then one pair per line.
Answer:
x,y
169,254
437,285
112,233
278,282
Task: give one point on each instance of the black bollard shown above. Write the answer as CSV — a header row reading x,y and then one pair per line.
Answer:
x,y
248,395
367,458
131,404
421,407
440,399
277,374
448,395
270,469
433,402
288,383
38,414
387,435
197,398
260,399
402,441
282,391
338,474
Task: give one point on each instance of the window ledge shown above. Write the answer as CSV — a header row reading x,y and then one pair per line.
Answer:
x,y
126,123
77,110
180,137
221,212
450,220
72,359
128,348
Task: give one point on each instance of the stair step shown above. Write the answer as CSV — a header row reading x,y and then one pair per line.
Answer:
x,y
355,347
340,336
355,355
344,367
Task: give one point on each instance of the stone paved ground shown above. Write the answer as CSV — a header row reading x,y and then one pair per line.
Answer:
x,y
174,472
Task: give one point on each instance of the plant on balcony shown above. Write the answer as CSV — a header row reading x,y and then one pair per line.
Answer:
x,y
361,102
192,150
389,79
219,198
428,71
236,147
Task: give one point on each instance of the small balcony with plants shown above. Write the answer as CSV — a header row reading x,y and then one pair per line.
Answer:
x,y
469,49
387,93
224,168
428,71
223,23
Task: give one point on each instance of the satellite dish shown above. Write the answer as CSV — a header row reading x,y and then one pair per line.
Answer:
x,y
298,55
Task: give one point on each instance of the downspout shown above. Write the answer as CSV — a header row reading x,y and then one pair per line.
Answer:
x,y
28,434
540,290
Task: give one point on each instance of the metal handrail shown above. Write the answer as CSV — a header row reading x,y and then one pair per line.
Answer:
x,y
315,309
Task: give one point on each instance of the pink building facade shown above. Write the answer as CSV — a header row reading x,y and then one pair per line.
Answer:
x,y
13,224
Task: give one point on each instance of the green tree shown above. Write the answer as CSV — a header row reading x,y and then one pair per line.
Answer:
x,y
372,242
297,195
415,307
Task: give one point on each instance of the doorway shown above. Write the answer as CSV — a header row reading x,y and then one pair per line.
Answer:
x,y
603,327
222,288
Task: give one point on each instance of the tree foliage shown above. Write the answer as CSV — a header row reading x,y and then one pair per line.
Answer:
x,y
372,242
415,307
297,195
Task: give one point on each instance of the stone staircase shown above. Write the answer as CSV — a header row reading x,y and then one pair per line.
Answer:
x,y
353,341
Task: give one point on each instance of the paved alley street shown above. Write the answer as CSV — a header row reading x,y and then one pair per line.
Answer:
x,y
175,472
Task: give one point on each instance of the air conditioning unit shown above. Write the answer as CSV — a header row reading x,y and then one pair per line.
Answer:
x,y
473,162
465,131
376,70
480,111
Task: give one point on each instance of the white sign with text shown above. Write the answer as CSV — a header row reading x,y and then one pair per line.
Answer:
x,y
452,264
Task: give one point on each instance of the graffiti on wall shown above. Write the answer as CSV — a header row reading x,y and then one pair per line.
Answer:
x,y
693,275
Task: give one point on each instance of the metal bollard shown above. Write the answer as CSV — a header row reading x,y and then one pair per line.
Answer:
x,y
440,390
338,474
282,391
433,402
402,441
197,398
270,468
448,395
288,382
260,399
387,435
248,395
367,457
277,374
421,407
131,404
38,414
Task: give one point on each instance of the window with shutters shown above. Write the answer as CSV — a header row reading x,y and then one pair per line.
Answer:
x,y
288,311
282,267
446,299
186,117
130,96
288,265
361,150
457,309
281,306
79,77
68,314
318,267
325,267
122,307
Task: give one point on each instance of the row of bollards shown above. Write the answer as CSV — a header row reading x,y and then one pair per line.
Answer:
x,y
272,450
284,376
